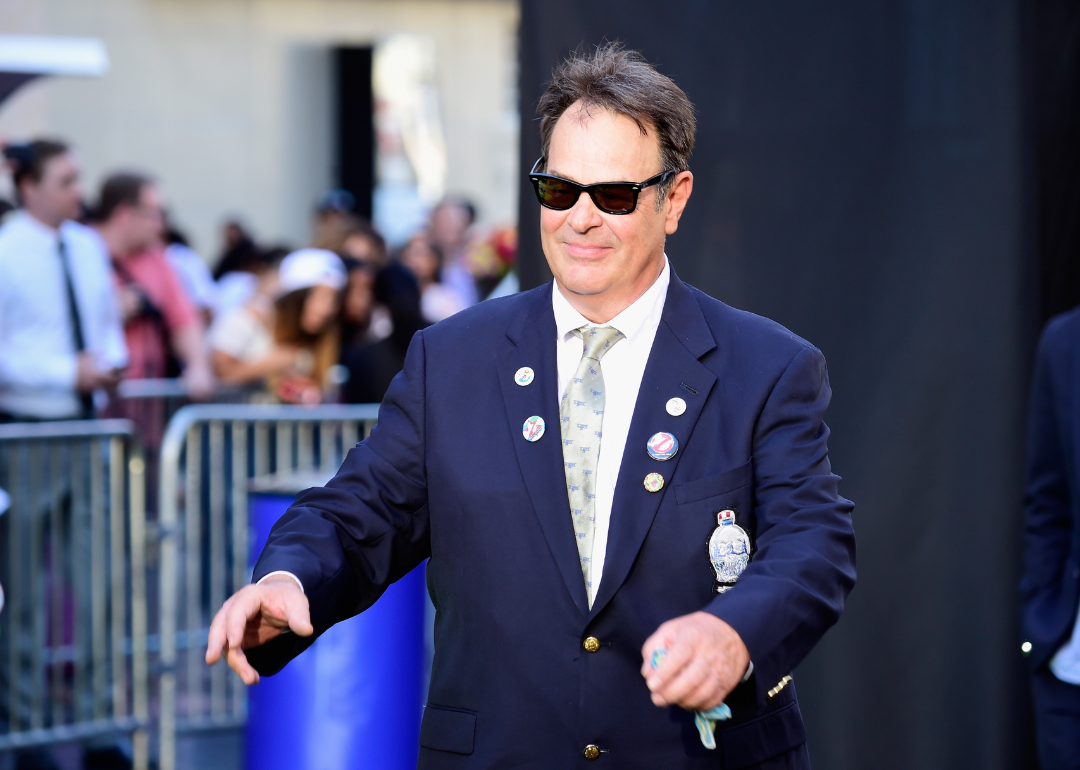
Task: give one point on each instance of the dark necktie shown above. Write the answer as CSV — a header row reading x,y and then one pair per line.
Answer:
x,y
87,399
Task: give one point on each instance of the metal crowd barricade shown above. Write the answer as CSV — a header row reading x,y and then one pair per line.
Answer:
x,y
151,404
175,394
208,457
73,634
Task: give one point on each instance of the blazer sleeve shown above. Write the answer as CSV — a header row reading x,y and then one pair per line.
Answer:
x,y
1047,511
803,567
367,528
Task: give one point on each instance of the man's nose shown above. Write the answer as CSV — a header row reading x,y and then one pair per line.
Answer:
x,y
585,215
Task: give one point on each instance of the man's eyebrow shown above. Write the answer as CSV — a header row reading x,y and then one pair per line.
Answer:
x,y
553,172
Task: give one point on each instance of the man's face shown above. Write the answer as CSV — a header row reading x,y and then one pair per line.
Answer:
x,y
58,194
361,248
144,222
449,224
603,262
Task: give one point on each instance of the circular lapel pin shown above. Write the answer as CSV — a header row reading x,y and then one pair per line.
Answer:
x,y
524,376
654,482
662,446
675,406
533,428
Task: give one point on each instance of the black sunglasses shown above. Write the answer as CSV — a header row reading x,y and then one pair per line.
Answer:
x,y
560,194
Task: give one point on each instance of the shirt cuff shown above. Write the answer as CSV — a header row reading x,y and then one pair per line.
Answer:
x,y
745,677
294,577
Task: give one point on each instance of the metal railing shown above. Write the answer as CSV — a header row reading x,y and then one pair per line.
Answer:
x,y
209,456
73,634
151,404
176,389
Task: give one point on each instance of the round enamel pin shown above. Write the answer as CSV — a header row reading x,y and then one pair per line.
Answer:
x,y
662,446
524,376
654,482
533,428
675,406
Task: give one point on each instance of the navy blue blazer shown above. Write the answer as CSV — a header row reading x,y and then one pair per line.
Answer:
x,y
1050,587
448,474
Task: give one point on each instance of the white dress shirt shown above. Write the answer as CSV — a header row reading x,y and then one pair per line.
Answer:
x,y
37,343
1065,664
623,367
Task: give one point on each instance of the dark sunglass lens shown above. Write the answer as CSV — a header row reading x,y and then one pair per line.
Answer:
x,y
615,198
556,193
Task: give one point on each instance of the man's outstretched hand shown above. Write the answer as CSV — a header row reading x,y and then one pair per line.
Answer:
x,y
705,660
253,616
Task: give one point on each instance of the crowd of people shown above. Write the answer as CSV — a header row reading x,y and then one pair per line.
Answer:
x,y
92,293
100,289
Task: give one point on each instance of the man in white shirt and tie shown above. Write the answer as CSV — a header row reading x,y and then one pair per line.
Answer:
x,y
61,337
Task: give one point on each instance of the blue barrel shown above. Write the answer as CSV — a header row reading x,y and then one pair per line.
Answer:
x,y
354,699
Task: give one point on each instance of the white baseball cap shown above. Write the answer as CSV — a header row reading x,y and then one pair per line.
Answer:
x,y
305,268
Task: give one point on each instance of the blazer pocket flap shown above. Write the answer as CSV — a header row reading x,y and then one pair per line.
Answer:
x,y
763,738
447,729
714,486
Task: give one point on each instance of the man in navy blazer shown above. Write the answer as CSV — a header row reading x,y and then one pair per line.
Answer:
x,y
1051,580
557,574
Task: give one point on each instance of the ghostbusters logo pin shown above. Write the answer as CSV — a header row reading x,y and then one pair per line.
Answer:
x,y
729,550
662,446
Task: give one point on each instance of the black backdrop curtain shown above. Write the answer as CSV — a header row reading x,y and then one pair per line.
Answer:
x,y
1054,65
860,177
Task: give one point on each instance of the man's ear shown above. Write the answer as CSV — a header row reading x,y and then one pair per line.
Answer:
x,y
27,185
677,197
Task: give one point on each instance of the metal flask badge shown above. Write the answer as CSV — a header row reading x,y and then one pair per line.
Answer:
x,y
729,550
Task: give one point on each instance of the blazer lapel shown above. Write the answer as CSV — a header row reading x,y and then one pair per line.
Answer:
x,y
533,344
673,370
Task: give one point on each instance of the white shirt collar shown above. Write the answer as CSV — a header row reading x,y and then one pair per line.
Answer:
x,y
630,321
36,225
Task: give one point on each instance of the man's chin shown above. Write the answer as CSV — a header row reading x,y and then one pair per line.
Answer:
x,y
585,280
584,288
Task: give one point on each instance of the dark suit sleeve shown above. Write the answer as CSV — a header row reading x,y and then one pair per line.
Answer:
x,y
1047,514
803,567
367,528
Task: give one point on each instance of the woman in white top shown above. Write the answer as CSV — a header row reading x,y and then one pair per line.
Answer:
x,y
289,342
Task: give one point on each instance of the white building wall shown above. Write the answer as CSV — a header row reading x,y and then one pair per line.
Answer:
x,y
229,102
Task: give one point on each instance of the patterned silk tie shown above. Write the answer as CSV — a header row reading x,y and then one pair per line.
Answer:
x,y
582,419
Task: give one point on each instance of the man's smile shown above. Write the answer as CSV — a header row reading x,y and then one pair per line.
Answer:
x,y
586,250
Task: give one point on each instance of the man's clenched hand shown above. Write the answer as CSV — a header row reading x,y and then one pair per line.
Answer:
x,y
253,616
705,660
